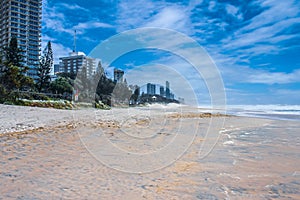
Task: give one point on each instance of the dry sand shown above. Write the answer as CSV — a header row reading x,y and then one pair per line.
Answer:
x,y
145,153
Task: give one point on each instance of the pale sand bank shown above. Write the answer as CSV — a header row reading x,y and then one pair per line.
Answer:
x,y
253,158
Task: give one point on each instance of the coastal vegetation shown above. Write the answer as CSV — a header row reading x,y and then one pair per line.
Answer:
x,y
17,88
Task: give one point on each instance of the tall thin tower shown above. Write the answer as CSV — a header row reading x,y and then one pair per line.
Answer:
x,y
22,19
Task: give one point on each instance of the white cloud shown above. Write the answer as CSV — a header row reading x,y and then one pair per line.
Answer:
x,y
212,5
170,17
133,14
232,10
275,11
194,3
72,7
146,13
266,30
57,21
92,24
81,27
53,19
275,77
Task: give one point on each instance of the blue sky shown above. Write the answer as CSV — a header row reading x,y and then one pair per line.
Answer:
x,y
254,44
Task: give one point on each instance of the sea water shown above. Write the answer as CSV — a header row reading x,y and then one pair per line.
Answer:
x,y
281,112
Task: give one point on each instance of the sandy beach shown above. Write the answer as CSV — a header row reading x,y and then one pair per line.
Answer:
x,y
156,152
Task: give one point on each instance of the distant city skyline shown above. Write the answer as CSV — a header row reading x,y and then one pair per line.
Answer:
x,y
157,89
253,43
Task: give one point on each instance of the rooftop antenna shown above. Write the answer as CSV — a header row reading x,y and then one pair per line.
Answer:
x,y
74,48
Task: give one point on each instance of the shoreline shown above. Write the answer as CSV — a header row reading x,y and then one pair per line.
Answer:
x,y
69,158
17,120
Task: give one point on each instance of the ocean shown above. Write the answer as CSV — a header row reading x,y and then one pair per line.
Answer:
x,y
280,112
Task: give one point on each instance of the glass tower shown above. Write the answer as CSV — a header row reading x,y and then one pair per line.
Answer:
x,y
22,19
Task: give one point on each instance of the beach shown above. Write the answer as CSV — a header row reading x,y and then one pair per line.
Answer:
x,y
154,152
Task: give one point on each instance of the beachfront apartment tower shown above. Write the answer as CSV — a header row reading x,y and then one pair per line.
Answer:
x,y
22,19
76,61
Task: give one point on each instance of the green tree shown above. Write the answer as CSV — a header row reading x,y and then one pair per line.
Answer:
x,y
14,55
13,74
46,62
61,86
67,75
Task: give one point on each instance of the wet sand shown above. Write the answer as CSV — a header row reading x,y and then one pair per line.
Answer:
x,y
55,154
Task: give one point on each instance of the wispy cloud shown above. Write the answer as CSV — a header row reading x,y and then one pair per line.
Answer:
x,y
54,20
81,28
173,17
72,6
275,77
146,13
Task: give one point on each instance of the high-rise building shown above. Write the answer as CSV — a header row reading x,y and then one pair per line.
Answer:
x,y
22,19
76,61
162,91
151,89
168,90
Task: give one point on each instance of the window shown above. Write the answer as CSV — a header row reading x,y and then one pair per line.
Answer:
x,y
33,8
13,24
22,21
14,9
14,29
14,14
33,27
33,37
33,13
34,18
33,23
14,4
34,4
33,32
23,11
14,19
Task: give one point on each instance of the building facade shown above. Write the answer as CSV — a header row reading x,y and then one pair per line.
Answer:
x,y
76,61
162,91
151,88
168,93
22,19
